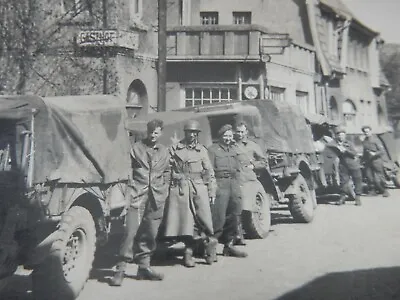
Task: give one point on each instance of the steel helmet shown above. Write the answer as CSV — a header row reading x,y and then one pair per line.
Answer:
x,y
192,125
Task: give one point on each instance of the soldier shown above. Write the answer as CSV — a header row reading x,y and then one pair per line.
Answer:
x,y
227,207
150,162
372,155
349,167
193,188
254,160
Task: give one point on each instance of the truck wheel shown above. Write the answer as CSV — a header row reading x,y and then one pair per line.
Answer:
x,y
396,179
257,223
301,204
64,273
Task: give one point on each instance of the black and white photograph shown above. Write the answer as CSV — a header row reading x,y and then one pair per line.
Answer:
x,y
199,149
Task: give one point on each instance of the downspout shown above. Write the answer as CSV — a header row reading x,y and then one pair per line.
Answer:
x,y
311,4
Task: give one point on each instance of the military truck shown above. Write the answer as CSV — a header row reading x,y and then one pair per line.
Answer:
x,y
281,131
64,169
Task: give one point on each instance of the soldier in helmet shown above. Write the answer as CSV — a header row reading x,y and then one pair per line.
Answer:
x,y
349,167
193,187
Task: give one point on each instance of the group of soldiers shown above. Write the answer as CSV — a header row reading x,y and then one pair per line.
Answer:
x,y
191,194
194,195
349,166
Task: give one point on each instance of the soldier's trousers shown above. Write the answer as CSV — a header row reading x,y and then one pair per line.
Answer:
x,y
376,175
145,243
226,210
345,175
139,241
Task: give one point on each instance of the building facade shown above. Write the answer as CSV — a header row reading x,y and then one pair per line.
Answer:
x,y
219,51
92,47
352,85
244,50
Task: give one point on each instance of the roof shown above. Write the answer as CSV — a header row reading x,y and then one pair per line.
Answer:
x,y
338,6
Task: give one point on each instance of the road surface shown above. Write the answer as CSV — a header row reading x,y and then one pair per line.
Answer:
x,y
348,252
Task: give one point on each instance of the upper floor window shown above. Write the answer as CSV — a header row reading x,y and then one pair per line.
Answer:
x,y
208,18
241,17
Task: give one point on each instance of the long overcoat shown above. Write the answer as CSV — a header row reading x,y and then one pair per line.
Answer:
x,y
188,210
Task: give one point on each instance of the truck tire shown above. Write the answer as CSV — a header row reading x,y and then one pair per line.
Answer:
x,y
301,204
396,179
64,273
257,223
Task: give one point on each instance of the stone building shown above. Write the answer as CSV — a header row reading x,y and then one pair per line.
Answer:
x,y
92,47
352,84
312,53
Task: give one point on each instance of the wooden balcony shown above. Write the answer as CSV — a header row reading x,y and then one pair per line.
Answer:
x,y
223,43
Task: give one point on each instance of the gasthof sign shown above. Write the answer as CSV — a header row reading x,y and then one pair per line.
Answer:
x,y
108,38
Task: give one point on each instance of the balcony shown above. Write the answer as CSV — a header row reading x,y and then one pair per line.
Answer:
x,y
223,43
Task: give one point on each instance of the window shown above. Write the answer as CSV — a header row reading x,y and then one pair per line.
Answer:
x,y
276,93
205,95
242,17
333,108
136,9
349,112
76,8
302,101
208,18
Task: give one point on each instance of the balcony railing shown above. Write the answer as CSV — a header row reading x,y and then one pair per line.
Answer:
x,y
222,42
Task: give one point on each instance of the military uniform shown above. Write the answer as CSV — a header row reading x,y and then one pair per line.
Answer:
x,y
374,163
227,208
349,168
192,184
251,158
148,189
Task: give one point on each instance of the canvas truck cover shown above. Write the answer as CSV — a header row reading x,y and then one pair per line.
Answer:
x,y
174,122
281,126
77,139
284,127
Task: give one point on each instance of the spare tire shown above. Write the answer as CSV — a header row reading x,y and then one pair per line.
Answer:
x,y
257,223
301,204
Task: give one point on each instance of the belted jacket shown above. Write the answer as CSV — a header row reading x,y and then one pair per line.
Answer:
x,y
192,164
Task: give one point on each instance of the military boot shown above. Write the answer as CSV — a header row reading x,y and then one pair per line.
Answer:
x,y
148,274
118,277
341,201
358,200
188,260
385,193
230,250
211,250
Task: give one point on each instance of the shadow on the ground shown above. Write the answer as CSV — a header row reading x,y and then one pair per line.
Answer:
x,y
17,287
377,284
281,217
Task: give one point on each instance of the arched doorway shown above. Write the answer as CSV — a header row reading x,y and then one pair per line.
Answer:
x,y
136,99
349,112
333,109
